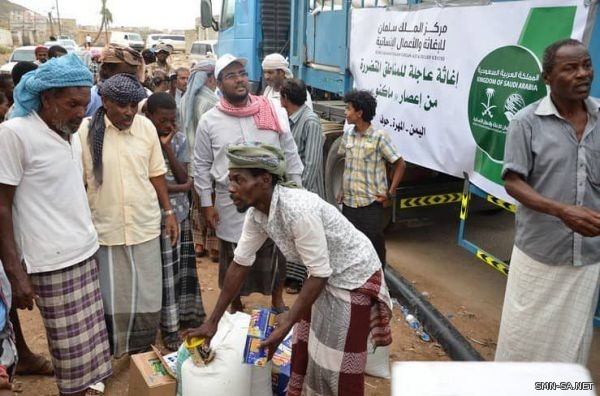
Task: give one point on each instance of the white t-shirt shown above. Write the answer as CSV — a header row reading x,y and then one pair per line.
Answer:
x,y
52,222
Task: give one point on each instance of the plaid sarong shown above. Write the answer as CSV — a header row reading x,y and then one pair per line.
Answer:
x,y
329,347
181,300
70,302
268,269
203,235
131,281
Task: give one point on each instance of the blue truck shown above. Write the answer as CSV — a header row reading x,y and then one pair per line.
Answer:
x,y
316,37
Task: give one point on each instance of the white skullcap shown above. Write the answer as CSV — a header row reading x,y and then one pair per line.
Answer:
x,y
277,62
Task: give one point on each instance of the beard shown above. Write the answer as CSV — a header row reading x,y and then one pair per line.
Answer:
x,y
243,209
67,128
235,97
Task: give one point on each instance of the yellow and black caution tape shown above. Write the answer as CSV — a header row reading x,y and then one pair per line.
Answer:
x,y
491,260
428,200
464,204
503,204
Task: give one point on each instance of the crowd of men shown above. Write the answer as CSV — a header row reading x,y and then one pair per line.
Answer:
x,y
109,191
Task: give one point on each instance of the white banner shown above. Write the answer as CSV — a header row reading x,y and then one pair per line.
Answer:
x,y
448,80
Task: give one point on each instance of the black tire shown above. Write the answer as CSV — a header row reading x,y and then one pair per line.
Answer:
x,y
334,171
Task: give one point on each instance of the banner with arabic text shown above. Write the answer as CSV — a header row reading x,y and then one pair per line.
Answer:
x,y
448,80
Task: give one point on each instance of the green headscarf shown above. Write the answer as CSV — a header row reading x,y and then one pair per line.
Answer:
x,y
259,156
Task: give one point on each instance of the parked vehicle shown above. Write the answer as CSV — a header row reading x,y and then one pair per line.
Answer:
x,y
203,49
153,39
68,44
71,47
175,42
133,40
20,54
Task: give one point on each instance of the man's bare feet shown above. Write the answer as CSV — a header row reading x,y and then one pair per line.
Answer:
x,y
34,364
200,251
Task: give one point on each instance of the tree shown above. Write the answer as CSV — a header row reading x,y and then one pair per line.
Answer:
x,y
107,19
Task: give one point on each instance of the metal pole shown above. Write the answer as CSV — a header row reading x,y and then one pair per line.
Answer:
x,y
58,18
51,23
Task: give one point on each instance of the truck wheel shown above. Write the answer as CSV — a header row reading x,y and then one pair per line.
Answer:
x,y
334,172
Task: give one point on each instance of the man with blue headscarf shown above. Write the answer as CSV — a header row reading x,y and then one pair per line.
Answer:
x,y
47,238
198,98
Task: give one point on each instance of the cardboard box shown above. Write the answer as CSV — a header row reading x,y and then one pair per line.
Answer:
x,y
282,365
148,377
261,325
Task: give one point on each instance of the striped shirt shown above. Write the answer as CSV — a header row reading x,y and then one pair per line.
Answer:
x,y
306,129
205,100
179,200
365,170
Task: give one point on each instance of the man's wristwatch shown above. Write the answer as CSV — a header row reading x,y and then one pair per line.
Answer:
x,y
169,212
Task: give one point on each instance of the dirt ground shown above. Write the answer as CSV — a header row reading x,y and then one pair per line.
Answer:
x,y
406,345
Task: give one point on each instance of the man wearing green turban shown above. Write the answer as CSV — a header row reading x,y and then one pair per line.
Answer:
x,y
345,286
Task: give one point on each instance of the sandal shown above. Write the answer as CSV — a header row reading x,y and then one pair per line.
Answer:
x,y
96,389
293,287
42,366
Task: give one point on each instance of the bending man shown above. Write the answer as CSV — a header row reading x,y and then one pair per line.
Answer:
x,y
345,286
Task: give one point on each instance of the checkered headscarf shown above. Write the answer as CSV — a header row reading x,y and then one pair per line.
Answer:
x,y
121,88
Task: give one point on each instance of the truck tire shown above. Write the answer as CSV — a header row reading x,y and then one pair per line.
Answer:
x,y
334,171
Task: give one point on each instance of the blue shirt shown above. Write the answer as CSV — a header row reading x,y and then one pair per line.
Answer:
x,y
95,101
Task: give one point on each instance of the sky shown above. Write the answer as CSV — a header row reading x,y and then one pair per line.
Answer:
x,y
158,14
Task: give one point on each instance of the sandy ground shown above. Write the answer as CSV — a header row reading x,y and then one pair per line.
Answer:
x,y
424,251
406,345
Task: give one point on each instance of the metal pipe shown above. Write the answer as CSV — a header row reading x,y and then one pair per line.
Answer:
x,y
58,19
457,347
327,68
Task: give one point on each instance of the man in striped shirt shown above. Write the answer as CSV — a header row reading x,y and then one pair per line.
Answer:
x,y
306,129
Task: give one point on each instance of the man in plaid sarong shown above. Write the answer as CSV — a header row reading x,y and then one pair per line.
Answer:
x,y
344,298
47,238
181,300
124,171
199,97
